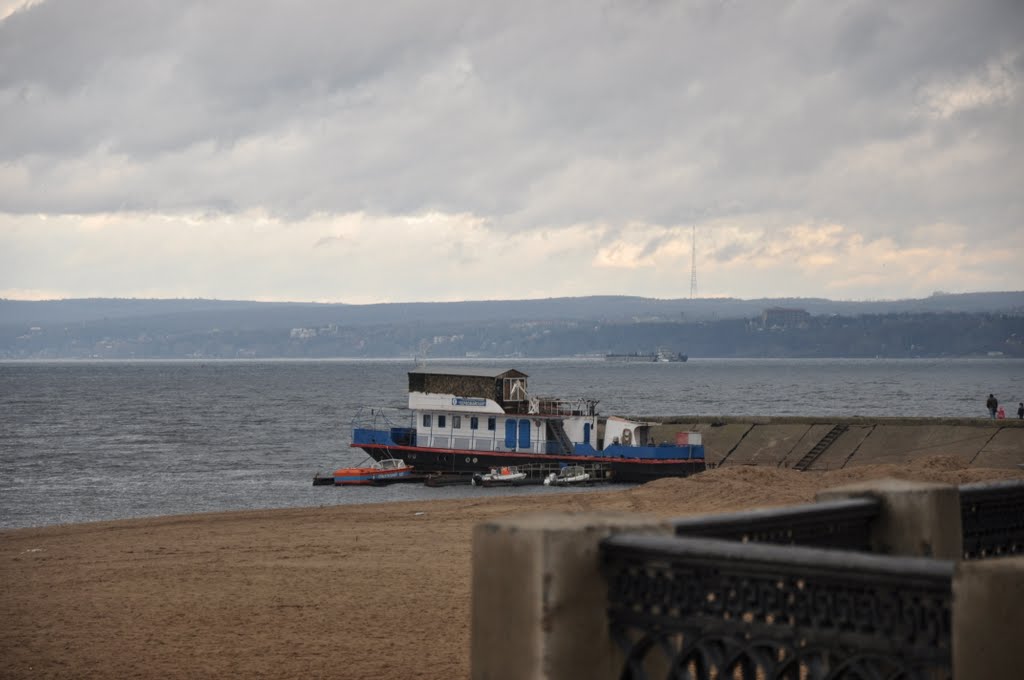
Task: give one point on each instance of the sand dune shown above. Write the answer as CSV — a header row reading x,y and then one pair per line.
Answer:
x,y
372,591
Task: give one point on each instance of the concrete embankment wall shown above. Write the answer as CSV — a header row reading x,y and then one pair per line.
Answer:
x,y
783,441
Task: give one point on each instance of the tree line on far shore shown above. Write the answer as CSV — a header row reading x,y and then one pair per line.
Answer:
x,y
894,335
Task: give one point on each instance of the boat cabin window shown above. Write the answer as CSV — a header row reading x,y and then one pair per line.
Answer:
x,y
456,422
441,420
514,389
492,424
474,422
426,420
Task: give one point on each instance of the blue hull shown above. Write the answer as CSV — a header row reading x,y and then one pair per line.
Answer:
x,y
660,463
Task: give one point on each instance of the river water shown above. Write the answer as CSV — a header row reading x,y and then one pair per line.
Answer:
x,y
89,441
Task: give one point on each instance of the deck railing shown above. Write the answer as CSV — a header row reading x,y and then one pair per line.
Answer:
x,y
485,442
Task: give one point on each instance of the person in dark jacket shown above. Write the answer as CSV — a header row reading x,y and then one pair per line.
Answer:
x,y
992,405
1020,411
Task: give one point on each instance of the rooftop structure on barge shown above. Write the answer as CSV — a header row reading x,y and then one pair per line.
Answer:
x,y
470,420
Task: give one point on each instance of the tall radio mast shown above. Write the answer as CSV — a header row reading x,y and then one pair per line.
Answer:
x,y
693,263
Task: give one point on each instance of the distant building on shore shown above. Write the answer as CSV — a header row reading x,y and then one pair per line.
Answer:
x,y
784,317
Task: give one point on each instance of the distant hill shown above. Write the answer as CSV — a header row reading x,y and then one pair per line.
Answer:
x,y
181,314
980,324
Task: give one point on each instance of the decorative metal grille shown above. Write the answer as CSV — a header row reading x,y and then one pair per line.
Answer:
x,y
992,515
695,608
832,524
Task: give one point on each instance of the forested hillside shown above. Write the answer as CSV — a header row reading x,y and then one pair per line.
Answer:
x,y
212,335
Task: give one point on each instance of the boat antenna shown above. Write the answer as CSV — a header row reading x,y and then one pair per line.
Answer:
x,y
421,359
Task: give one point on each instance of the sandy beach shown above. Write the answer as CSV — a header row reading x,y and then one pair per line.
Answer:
x,y
370,591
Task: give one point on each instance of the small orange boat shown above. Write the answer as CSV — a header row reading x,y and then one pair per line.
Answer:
x,y
371,472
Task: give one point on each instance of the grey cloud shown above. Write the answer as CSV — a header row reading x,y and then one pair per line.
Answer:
x,y
733,251
329,241
533,114
652,246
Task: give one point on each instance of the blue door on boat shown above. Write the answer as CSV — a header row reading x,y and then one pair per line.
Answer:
x,y
510,434
586,433
524,434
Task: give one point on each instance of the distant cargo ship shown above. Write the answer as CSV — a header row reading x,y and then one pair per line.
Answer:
x,y
662,356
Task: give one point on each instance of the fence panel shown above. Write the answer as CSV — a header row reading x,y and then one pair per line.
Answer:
x,y
992,514
695,608
834,524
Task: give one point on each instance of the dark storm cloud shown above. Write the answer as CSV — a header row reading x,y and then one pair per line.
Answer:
x,y
527,113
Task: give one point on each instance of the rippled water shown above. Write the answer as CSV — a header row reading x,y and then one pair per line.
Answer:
x,y
95,441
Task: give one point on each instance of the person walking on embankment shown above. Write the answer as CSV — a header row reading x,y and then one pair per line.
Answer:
x,y
1020,411
992,404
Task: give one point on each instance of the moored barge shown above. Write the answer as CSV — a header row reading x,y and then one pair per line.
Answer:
x,y
471,420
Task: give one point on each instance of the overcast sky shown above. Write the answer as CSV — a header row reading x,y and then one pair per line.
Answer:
x,y
444,150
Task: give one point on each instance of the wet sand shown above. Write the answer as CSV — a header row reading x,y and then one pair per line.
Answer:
x,y
372,591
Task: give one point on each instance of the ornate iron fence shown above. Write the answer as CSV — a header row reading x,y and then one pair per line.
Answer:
x,y
692,608
834,524
992,514
793,593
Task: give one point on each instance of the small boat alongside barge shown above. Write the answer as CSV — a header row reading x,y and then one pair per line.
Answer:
x,y
504,476
463,421
570,475
371,473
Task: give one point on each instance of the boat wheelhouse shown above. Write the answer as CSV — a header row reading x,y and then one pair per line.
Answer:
x,y
472,420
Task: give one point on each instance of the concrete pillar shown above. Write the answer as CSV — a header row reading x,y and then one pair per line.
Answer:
x,y
539,600
918,519
988,618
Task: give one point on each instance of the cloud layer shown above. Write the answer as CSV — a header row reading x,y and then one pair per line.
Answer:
x,y
317,150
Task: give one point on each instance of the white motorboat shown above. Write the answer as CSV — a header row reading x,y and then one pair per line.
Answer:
x,y
567,476
507,475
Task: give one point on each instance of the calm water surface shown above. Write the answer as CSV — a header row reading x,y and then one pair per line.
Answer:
x,y
84,441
